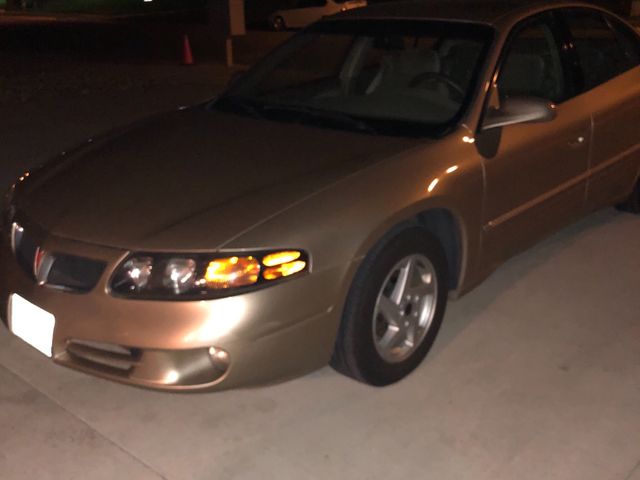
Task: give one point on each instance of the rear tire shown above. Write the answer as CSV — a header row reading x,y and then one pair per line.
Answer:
x,y
632,204
278,24
394,309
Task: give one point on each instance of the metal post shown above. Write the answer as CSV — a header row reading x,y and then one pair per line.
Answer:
x,y
228,18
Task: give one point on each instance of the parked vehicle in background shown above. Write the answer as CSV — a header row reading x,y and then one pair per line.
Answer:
x,y
304,12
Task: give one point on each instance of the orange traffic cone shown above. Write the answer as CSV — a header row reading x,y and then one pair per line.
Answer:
x,y
187,56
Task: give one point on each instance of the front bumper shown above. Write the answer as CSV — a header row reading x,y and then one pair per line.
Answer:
x,y
269,335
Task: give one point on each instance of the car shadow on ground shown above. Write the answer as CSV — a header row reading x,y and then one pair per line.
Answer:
x,y
463,312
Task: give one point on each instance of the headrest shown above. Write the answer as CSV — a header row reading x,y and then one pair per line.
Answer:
x,y
417,60
522,73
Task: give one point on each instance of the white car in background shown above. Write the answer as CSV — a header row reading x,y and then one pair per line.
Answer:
x,y
304,12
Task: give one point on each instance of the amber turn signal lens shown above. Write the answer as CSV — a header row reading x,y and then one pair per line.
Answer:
x,y
284,270
278,258
232,272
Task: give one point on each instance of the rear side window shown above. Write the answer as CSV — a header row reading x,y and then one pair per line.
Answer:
x,y
629,41
601,52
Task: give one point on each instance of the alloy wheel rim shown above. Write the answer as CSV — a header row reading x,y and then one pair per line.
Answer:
x,y
405,308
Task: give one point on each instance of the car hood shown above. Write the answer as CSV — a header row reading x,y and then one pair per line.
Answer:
x,y
192,179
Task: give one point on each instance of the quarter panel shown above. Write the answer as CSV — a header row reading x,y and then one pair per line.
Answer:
x,y
616,146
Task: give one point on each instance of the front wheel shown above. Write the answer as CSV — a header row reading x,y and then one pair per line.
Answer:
x,y
394,309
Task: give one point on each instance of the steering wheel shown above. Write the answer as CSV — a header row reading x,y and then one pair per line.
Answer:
x,y
430,77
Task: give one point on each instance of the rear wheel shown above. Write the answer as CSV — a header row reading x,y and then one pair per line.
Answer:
x,y
394,309
632,204
278,24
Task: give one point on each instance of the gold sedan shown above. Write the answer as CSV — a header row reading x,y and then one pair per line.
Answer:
x,y
324,207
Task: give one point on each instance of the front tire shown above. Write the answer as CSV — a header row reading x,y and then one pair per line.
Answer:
x,y
394,309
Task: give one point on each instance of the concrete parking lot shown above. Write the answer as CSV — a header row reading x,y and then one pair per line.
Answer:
x,y
535,375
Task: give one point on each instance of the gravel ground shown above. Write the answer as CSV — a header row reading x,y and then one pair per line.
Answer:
x,y
50,103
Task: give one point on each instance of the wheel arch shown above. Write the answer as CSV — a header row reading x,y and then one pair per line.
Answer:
x,y
444,226
442,222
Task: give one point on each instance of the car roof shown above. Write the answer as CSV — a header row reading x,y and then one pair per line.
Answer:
x,y
488,12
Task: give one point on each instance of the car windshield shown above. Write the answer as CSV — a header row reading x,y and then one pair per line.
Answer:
x,y
407,78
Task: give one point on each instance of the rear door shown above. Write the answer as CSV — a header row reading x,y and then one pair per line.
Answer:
x,y
536,177
608,53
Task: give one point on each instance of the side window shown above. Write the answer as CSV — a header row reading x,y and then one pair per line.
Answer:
x,y
601,55
629,41
532,65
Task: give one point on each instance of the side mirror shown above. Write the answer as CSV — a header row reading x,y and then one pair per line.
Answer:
x,y
517,110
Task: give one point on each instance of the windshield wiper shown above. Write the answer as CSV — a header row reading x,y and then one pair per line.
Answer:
x,y
237,103
320,114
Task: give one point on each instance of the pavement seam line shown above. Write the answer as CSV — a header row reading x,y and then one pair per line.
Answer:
x,y
86,423
633,470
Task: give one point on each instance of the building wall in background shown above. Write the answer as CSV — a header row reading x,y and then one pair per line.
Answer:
x,y
622,7
105,6
256,11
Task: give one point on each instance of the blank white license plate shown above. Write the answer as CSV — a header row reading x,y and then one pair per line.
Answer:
x,y
31,323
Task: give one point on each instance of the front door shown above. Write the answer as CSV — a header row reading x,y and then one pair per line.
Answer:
x,y
536,177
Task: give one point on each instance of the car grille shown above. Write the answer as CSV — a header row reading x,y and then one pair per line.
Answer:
x,y
68,272
112,359
75,273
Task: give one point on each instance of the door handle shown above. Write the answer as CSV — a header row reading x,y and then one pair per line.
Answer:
x,y
578,142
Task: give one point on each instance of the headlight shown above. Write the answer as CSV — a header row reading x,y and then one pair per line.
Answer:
x,y
232,272
136,272
199,276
